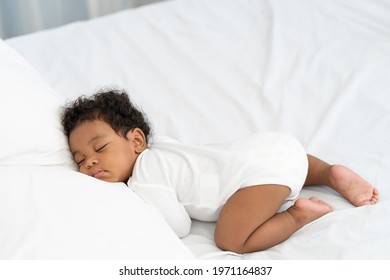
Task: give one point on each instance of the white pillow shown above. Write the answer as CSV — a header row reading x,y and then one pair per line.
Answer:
x,y
31,131
56,213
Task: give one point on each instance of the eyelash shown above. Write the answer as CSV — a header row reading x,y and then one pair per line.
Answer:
x,y
101,148
97,151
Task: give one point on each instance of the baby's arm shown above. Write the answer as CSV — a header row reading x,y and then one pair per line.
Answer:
x,y
165,200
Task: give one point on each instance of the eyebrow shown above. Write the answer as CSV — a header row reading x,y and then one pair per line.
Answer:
x,y
97,137
91,140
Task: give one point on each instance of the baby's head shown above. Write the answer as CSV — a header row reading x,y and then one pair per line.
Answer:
x,y
106,133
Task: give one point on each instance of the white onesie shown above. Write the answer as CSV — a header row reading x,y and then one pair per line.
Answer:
x,y
186,182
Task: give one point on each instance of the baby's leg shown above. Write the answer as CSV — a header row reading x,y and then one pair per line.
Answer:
x,y
249,220
343,180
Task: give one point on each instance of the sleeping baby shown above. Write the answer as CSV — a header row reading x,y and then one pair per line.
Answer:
x,y
240,185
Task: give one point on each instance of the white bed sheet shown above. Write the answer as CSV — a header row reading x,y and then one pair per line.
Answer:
x,y
209,71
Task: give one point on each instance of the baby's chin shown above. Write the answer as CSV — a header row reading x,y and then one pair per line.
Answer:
x,y
107,177
114,180
111,180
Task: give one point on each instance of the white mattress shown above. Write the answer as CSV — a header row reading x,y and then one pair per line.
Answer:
x,y
208,71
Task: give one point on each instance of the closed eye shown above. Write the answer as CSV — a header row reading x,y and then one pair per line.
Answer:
x,y
80,162
101,148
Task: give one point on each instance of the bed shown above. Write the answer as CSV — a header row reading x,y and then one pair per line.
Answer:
x,y
204,71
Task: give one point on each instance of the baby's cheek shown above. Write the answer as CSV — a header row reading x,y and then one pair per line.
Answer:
x,y
83,170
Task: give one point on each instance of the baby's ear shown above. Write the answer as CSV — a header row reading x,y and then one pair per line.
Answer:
x,y
138,137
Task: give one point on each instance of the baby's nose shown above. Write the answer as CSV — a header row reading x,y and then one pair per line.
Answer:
x,y
91,162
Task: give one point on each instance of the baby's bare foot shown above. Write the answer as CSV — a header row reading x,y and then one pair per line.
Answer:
x,y
353,187
306,210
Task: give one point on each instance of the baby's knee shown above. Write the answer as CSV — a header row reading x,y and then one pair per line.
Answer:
x,y
227,242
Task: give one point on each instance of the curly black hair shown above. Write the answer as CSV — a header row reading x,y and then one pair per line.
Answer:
x,y
112,106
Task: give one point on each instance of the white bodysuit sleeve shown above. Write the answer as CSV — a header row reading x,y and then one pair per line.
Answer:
x,y
165,200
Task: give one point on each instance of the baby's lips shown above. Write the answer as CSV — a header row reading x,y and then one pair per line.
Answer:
x,y
98,174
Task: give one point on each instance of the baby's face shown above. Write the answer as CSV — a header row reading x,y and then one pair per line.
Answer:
x,y
101,153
